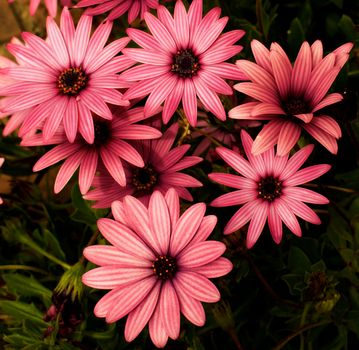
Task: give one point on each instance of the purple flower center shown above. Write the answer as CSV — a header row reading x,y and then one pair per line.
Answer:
x,y
295,106
164,267
185,63
102,132
144,179
269,188
71,81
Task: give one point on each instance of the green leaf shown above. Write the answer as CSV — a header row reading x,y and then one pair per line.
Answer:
x,y
26,286
54,246
20,311
296,35
347,26
298,262
83,212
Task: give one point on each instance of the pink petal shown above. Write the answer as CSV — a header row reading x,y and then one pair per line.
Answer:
x,y
302,70
189,102
172,101
56,40
282,70
157,330
304,195
197,286
159,94
138,318
87,170
108,255
235,198
241,217
199,254
81,39
71,120
302,210
257,224
237,162
234,181
186,227
124,239
67,170
217,268
328,141
328,100
191,308
328,124
173,204
243,111
258,92
55,155
287,216
170,310
126,152
205,229
296,161
114,166
261,55
288,137
130,297
307,174
160,222
85,123
256,161
275,224
160,32
267,137
181,25
138,219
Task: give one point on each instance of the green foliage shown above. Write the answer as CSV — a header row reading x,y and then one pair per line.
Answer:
x,y
302,294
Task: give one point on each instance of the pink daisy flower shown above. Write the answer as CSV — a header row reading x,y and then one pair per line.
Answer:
x,y
2,160
63,79
268,189
118,7
182,59
108,149
291,97
158,266
51,6
161,172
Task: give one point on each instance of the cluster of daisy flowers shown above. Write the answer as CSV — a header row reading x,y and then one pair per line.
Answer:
x,y
110,112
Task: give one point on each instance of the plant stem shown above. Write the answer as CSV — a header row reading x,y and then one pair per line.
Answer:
x,y
212,139
43,252
92,240
282,343
301,324
17,16
22,267
266,285
337,188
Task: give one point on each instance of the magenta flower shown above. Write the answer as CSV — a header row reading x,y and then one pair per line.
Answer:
x,y
108,149
161,172
51,6
2,160
63,79
118,7
158,266
268,189
183,58
291,98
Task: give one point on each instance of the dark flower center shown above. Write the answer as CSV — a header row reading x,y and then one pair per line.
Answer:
x,y
185,64
269,188
144,179
102,132
164,267
295,106
71,81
